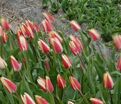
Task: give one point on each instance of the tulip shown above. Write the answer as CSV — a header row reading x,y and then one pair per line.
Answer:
x,y
61,82
47,26
30,24
49,85
108,81
46,64
27,31
36,27
42,83
27,99
75,48
49,17
56,45
5,24
9,85
66,61
43,46
94,35
54,34
69,102
45,84
41,100
4,37
119,64
19,32
96,101
1,31
117,41
74,83
15,64
77,41
23,45
75,26
3,64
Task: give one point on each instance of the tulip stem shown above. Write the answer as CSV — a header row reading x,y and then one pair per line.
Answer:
x,y
85,99
111,97
82,63
25,55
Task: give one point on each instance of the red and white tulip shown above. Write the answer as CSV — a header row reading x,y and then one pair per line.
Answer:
x,y
9,85
49,85
75,83
45,84
41,100
1,31
61,82
4,37
108,81
3,64
94,35
5,24
66,61
26,99
15,64
75,26
54,34
56,44
49,17
96,101
119,64
117,41
23,45
47,26
43,46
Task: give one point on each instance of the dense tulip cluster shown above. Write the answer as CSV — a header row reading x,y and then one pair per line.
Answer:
x,y
39,55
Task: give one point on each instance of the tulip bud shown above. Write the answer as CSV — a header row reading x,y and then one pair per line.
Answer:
x,y
23,45
73,48
8,84
30,24
43,46
45,84
27,99
94,34
46,64
19,32
54,34
66,61
69,102
56,45
108,81
15,64
47,26
5,24
42,83
96,101
49,85
27,31
117,41
4,37
75,26
49,17
119,64
75,45
36,27
61,82
41,100
74,83
1,31
3,64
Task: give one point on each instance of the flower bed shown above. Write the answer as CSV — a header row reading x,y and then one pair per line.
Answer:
x,y
44,65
